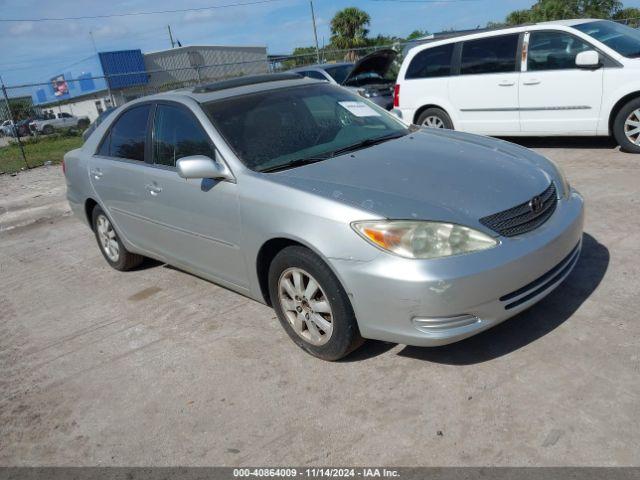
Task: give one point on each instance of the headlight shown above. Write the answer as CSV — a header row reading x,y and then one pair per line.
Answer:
x,y
420,239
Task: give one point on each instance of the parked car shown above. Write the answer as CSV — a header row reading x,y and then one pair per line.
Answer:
x,y
62,121
352,225
368,77
104,114
6,128
568,77
22,127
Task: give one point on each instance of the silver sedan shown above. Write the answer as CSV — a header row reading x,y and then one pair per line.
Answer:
x,y
311,199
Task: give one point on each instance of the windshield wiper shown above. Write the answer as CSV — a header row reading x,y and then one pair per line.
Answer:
x,y
298,162
366,143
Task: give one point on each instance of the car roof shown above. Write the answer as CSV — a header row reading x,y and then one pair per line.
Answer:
x,y
235,87
321,66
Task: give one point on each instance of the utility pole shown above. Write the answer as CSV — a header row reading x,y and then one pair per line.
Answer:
x,y
173,44
315,31
13,123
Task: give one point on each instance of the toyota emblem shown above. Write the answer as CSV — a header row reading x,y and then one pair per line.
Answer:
x,y
535,204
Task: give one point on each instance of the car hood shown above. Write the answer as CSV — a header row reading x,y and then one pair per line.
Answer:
x,y
377,62
429,175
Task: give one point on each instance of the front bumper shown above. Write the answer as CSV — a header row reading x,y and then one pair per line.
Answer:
x,y
436,302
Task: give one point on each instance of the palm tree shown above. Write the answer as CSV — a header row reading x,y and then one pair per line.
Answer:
x,y
348,29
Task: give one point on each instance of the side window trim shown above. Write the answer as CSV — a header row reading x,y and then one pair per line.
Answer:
x,y
607,61
151,131
107,134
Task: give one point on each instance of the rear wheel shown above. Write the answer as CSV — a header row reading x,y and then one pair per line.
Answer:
x,y
47,129
626,127
110,245
311,305
435,118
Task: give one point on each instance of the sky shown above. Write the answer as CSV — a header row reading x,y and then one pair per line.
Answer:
x,y
36,51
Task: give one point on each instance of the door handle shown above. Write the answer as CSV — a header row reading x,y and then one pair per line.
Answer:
x,y
96,173
153,189
533,81
507,83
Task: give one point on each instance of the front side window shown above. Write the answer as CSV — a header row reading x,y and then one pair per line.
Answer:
x,y
624,40
554,51
127,136
489,55
274,129
432,62
177,134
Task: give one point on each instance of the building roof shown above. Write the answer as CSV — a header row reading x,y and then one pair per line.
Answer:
x,y
192,47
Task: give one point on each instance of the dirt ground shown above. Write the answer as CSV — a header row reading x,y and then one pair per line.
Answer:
x,y
157,367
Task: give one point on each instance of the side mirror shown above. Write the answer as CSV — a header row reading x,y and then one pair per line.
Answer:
x,y
588,59
201,166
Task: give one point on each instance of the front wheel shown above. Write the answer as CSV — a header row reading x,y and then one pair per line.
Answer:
x,y
110,245
626,127
311,305
435,118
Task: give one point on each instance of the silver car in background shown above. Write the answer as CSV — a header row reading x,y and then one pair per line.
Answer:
x,y
301,195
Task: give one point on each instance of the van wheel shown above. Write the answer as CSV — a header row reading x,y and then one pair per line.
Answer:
x,y
47,129
110,245
311,305
626,127
435,118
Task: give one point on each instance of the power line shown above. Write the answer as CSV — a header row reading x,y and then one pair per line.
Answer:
x,y
129,14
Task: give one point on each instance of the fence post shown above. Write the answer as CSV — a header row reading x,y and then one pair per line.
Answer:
x,y
13,123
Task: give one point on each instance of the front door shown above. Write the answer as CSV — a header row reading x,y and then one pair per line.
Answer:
x,y
485,93
557,97
195,222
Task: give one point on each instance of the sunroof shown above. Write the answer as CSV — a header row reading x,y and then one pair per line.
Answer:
x,y
244,81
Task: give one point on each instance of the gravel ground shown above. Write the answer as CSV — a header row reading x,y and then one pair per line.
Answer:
x,y
158,367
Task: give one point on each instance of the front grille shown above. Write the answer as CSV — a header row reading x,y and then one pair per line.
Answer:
x,y
522,218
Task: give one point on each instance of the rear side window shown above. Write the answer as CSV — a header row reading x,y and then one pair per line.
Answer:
x,y
489,55
313,74
127,136
554,51
176,134
432,62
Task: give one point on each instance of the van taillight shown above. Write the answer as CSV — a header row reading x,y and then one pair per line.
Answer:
x,y
396,96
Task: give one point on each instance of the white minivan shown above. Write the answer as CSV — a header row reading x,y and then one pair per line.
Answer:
x,y
569,77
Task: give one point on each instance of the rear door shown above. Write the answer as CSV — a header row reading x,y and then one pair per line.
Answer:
x,y
557,97
117,172
485,91
195,222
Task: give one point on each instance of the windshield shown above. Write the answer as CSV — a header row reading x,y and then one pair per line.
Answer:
x,y
276,128
339,73
622,39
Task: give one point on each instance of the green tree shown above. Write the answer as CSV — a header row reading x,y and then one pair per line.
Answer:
x,y
417,34
518,17
349,29
631,16
546,10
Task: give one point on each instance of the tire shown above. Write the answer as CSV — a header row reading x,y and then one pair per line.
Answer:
x,y
436,115
122,260
295,316
47,129
631,112
82,124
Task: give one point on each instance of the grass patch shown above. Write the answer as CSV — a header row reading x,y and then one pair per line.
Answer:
x,y
38,151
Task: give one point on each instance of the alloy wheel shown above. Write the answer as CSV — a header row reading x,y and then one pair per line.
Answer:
x,y
433,122
632,127
107,237
305,306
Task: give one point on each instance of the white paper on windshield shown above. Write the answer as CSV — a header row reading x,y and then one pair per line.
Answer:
x,y
359,109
